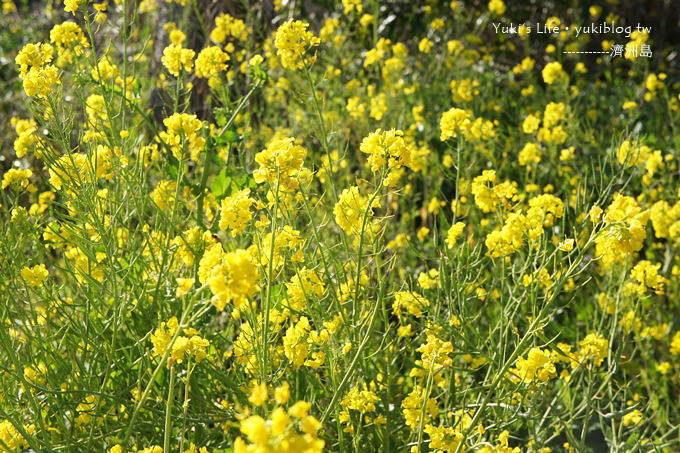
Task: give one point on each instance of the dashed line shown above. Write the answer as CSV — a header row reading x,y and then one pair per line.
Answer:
x,y
585,52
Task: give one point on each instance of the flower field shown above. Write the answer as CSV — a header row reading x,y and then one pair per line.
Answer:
x,y
362,225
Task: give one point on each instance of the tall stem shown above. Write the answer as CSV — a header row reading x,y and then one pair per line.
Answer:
x,y
267,305
168,410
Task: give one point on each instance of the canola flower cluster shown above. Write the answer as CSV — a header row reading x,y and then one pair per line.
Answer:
x,y
279,432
39,76
231,276
183,132
318,233
292,41
176,58
165,340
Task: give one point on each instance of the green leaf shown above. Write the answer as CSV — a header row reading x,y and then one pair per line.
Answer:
x,y
245,181
221,117
227,136
221,183
215,159
172,171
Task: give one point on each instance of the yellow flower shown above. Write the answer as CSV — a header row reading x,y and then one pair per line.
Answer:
x,y
352,212
37,74
235,212
175,58
387,147
304,285
34,55
281,163
413,406
105,70
567,153
553,72
210,63
183,286
623,233
530,124
8,7
595,213
454,47
414,303
404,331
422,233
355,107
258,395
434,359
366,20
425,45
299,409
255,428
632,154
537,366
647,276
457,121
282,393
164,194
162,336
17,178
69,39
279,433
526,65
530,154
567,245
454,121
594,347
183,129
497,7
554,113
360,400
429,279
27,139
352,5
675,344
632,418
507,239
295,342
663,367
280,421
487,196
194,345
292,40
288,238
232,277
177,37
12,437
454,232
71,6
35,276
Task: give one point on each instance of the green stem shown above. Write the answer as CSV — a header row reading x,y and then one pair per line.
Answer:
x,y
349,371
267,304
199,17
201,195
324,133
423,410
208,158
168,410
161,363
185,406
518,350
